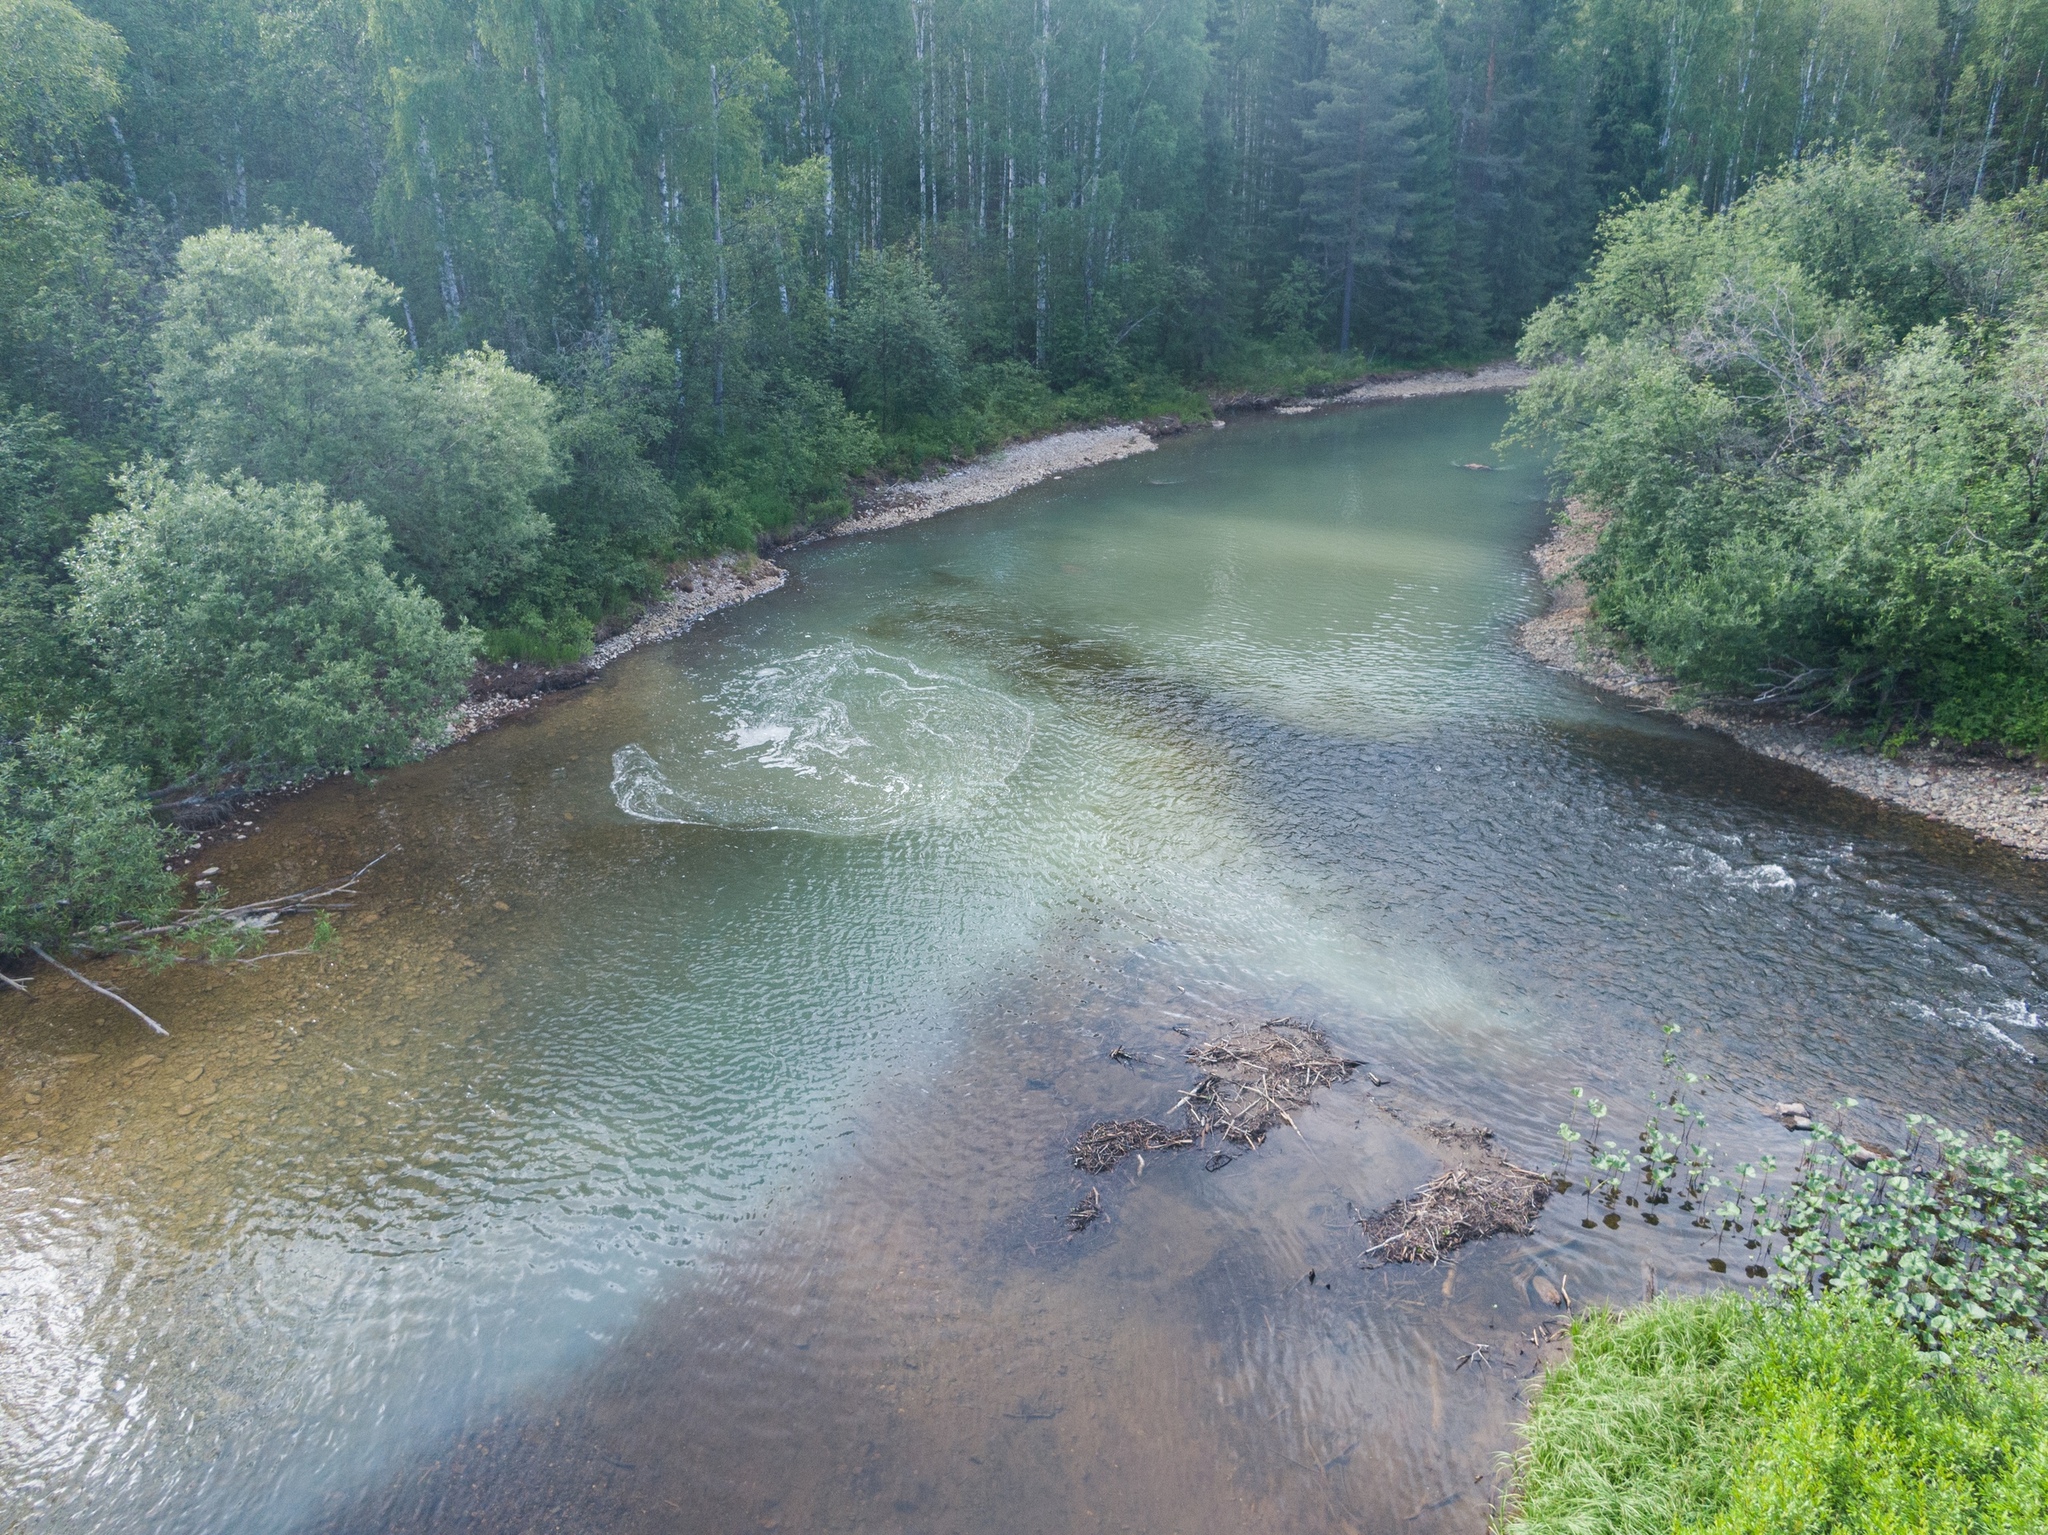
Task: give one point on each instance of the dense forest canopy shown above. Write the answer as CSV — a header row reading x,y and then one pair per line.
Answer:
x,y
437,326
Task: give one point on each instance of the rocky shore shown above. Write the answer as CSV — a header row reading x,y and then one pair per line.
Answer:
x,y
2001,800
1002,473
1490,378
706,586
697,590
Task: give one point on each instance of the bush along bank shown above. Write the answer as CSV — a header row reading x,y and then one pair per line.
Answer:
x,y
1818,425
1893,1378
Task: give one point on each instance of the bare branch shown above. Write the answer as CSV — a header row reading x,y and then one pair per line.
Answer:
x,y
11,981
249,912
91,985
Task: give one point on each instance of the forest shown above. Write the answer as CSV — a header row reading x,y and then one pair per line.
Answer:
x,y
343,341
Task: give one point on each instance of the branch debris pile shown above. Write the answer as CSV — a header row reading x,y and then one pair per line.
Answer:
x,y
1483,1197
1250,1082
1109,1141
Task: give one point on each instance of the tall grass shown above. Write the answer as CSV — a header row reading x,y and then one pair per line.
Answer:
x,y
1737,1416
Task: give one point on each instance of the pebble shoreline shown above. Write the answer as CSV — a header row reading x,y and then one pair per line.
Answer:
x,y
708,586
2005,802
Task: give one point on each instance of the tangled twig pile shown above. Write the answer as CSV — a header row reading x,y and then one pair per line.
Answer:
x,y
1482,1199
1250,1082
1111,1140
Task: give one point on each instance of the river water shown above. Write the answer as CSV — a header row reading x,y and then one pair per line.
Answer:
x,y
675,1137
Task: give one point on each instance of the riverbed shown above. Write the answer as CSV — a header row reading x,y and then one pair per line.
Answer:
x,y
674,1138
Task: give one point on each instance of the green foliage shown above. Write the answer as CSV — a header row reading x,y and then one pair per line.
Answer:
x,y
898,353
74,306
1943,1250
525,634
1730,1416
1825,480
50,487
253,628
59,77
1947,1238
77,847
658,277
277,361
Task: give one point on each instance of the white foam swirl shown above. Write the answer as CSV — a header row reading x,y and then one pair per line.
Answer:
x,y
841,739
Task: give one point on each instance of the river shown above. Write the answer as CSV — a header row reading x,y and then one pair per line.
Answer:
x,y
674,1138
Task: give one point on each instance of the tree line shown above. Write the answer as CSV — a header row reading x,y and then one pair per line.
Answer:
x,y
341,340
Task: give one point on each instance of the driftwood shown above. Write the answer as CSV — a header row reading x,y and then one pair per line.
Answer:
x,y
1483,1197
254,914
1250,1082
91,985
1109,1142
250,921
1083,1214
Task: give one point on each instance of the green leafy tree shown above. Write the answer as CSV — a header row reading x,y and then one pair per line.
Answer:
x,y
50,487
898,351
278,361
254,628
60,74
78,849
613,506
1814,494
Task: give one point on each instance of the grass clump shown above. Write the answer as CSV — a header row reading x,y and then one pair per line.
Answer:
x,y
1736,1416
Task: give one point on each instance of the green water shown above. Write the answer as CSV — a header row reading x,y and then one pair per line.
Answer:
x,y
675,1139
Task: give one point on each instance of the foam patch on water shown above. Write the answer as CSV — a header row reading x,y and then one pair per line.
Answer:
x,y
1992,1022
1704,863
842,739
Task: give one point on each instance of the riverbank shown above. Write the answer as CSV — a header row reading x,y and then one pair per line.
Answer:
x,y
704,587
698,589
2006,802
1488,378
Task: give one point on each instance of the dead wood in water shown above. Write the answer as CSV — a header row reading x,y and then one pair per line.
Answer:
x,y
1109,1142
1083,1214
91,985
1250,1082
216,932
1484,1197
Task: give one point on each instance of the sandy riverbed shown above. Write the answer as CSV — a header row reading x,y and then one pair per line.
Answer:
x,y
2005,801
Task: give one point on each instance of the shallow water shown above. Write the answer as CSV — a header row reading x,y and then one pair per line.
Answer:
x,y
674,1140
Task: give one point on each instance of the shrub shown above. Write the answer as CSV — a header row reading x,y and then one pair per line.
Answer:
x,y
254,628
1826,479
77,847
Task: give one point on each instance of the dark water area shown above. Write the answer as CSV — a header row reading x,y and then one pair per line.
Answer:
x,y
676,1137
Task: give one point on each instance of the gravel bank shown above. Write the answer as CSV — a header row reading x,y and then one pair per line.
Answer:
x,y
2004,801
1002,473
709,585
1493,378
704,587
